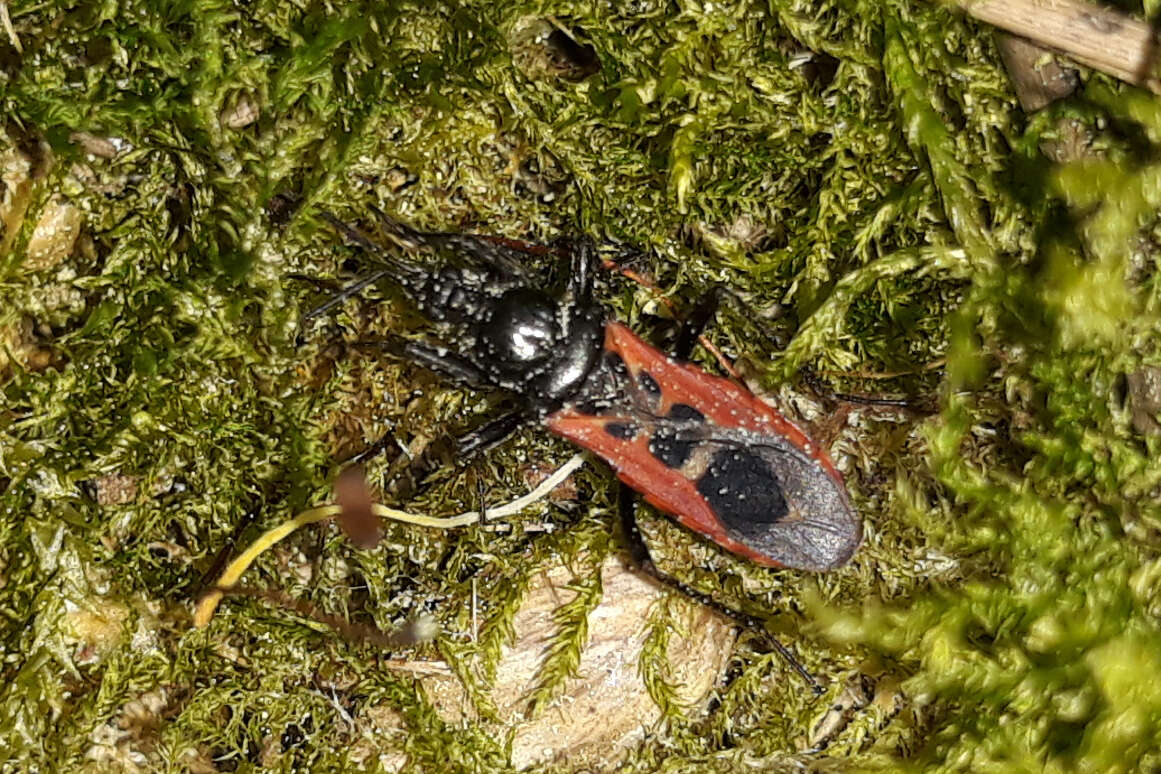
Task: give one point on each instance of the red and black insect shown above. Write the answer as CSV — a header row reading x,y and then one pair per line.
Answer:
x,y
699,447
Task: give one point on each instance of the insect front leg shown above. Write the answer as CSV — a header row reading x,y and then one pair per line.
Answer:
x,y
401,270
437,358
455,368
349,291
639,552
504,255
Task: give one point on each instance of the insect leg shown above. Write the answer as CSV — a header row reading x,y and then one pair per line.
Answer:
x,y
696,322
405,479
500,253
458,369
483,246
694,325
580,278
639,552
435,358
372,451
401,270
703,312
350,290
491,433
816,383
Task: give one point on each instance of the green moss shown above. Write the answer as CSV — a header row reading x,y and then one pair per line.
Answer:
x,y
888,197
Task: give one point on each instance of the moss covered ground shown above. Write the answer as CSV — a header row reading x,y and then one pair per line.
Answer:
x,y
858,172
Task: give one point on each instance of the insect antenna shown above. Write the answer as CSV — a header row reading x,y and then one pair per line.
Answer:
x,y
351,290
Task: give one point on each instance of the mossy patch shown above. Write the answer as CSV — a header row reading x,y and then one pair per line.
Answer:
x,y
857,172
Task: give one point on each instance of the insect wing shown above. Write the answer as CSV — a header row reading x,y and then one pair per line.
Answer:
x,y
718,459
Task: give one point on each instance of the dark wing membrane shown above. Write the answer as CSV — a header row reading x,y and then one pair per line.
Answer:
x,y
778,502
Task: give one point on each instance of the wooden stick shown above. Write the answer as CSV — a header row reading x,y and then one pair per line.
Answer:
x,y
1101,38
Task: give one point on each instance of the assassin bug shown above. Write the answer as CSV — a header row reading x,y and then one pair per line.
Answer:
x,y
698,447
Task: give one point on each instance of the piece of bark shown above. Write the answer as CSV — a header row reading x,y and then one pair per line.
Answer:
x,y
1037,75
606,710
1040,79
1098,37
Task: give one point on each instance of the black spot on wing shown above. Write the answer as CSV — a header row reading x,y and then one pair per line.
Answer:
x,y
685,413
622,431
616,364
649,385
666,445
668,449
590,408
742,489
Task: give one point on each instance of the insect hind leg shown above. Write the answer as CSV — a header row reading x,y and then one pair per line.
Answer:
x,y
817,384
693,329
697,320
642,559
458,369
